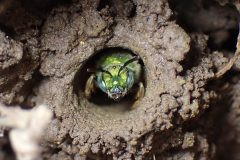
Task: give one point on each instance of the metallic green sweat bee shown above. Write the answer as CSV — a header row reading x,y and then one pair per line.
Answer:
x,y
115,75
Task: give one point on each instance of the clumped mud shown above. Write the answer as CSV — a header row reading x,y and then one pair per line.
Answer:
x,y
44,50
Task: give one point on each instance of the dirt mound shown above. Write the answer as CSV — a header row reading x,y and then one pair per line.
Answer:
x,y
44,51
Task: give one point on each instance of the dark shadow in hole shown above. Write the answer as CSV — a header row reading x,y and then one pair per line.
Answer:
x,y
100,98
6,148
22,16
193,58
9,31
229,43
220,83
103,4
209,17
28,90
133,11
41,7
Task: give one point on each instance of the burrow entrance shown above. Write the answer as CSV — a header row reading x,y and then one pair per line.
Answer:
x,y
99,98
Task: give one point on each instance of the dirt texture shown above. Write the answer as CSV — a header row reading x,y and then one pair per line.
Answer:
x,y
185,112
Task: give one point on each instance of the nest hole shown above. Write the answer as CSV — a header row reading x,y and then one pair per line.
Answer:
x,y
99,99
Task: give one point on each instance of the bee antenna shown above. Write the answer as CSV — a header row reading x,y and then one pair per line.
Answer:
x,y
91,70
136,58
106,72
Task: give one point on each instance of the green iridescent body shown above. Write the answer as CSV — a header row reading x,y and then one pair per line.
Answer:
x,y
115,75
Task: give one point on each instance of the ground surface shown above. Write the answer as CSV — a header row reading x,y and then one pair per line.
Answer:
x,y
186,113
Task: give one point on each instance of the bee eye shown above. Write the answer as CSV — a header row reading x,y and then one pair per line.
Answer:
x,y
130,79
101,82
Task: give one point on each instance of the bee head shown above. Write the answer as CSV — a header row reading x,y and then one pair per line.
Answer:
x,y
115,82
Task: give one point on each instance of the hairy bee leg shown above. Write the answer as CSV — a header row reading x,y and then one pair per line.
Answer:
x,y
89,87
140,92
139,95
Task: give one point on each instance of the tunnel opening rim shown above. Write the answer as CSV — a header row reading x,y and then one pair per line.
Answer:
x,y
125,104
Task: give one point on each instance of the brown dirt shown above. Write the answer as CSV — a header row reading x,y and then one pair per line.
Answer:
x,y
185,113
